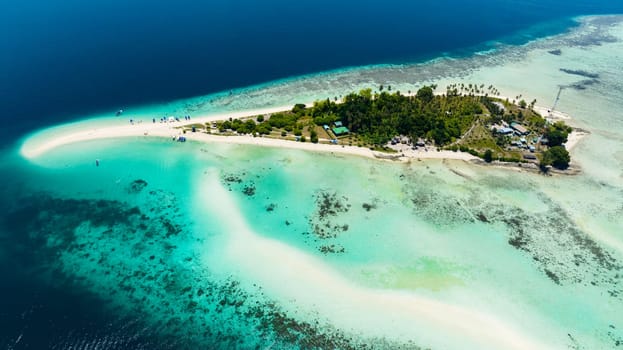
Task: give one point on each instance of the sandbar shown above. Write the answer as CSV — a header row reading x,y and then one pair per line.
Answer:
x,y
41,143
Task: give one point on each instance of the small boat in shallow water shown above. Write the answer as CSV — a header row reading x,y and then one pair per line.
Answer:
x,y
97,162
119,112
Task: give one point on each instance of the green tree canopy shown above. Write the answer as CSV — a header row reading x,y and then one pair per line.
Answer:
x,y
298,108
313,136
488,156
523,104
556,156
557,133
366,93
280,120
425,94
381,116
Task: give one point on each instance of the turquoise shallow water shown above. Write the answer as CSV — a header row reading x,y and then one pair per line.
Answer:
x,y
431,228
232,246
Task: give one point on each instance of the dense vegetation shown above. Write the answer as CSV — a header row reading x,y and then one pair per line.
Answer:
x,y
460,120
287,121
557,133
556,156
379,117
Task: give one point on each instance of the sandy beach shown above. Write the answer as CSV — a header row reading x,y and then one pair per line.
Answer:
x,y
41,143
574,138
235,241
551,115
262,258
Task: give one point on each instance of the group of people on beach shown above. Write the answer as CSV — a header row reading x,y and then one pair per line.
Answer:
x,y
170,119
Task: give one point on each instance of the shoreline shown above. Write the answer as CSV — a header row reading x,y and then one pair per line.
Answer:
x,y
575,137
39,143
246,247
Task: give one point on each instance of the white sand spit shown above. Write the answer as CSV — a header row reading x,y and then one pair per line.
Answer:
x,y
574,139
289,274
40,143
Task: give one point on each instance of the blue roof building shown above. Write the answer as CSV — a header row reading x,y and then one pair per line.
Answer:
x,y
505,131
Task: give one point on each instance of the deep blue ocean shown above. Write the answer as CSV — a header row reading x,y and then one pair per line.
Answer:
x,y
59,59
62,58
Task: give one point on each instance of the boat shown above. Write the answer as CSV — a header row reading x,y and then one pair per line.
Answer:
x,y
119,112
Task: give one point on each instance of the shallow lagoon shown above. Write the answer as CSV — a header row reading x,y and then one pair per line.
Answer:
x,y
218,232
242,247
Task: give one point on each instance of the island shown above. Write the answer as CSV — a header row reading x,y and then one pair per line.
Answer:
x,y
466,118
467,122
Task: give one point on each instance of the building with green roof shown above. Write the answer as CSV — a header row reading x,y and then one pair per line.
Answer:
x,y
341,130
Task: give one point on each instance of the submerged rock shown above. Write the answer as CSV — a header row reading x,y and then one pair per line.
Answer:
x,y
137,186
249,190
368,206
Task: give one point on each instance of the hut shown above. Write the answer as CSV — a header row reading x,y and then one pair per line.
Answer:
x,y
504,131
340,130
529,156
519,129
